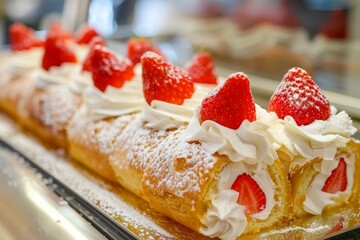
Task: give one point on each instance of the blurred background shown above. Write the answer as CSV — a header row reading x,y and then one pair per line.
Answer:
x,y
260,37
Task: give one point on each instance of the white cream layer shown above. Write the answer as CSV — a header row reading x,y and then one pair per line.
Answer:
x,y
115,101
63,75
22,62
316,199
225,218
251,143
321,138
163,115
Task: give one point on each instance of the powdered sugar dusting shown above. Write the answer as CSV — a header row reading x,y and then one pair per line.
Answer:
x,y
179,168
95,192
58,105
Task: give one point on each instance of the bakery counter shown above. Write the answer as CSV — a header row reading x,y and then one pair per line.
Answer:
x,y
31,210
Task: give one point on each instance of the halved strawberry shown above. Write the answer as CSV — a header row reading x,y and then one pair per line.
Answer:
x,y
109,69
23,38
164,81
337,182
87,62
86,34
57,53
136,47
58,31
231,103
201,69
250,194
298,96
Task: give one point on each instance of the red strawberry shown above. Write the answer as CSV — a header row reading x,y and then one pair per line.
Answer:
x,y
87,62
109,68
136,47
337,181
23,38
298,96
86,34
230,103
163,81
201,69
57,53
250,194
56,30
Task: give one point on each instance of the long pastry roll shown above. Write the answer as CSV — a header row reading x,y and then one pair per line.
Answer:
x,y
314,142
194,174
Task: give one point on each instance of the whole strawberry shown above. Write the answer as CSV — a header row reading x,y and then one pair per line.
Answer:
x,y
201,69
136,47
23,38
86,34
87,62
109,69
298,96
56,53
164,81
230,103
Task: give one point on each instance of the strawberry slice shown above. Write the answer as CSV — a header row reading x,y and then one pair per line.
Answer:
x,y
250,194
86,34
298,96
23,38
57,53
339,226
337,182
136,47
109,69
164,81
56,30
87,62
231,103
201,69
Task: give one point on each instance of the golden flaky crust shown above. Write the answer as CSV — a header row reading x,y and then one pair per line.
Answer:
x,y
50,111
182,178
135,148
302,179
91,142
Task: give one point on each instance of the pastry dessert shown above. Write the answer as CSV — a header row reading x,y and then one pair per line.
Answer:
x,y
315,145
205,155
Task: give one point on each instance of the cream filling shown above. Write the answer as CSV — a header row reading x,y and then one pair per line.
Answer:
x,y
57,75
318,139
163,115
22,62
251,143
225,218
115,101
316,199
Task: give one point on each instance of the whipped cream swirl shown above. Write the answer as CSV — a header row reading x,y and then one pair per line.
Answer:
x,y
163,115
220,221
321,138
22,62
115,101
316,199
251,143
57,75
225,218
